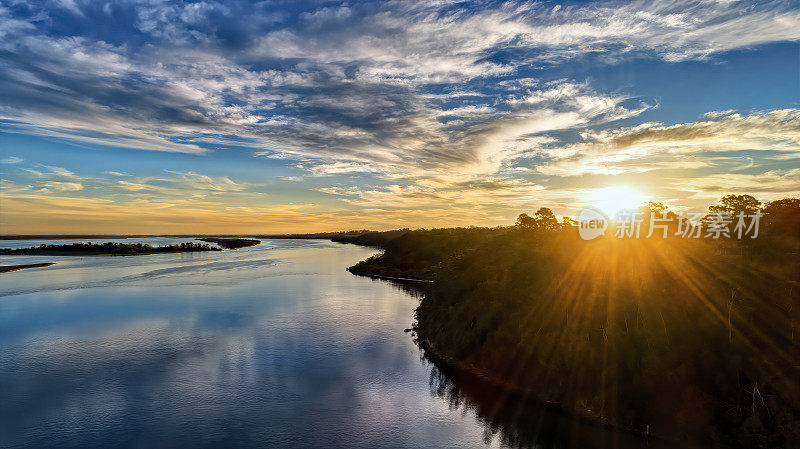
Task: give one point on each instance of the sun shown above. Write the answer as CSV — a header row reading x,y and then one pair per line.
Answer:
x,y
614,199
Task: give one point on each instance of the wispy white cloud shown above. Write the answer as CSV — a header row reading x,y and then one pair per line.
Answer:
x,y
770,185
204,182
172,186
651,146
60,186
11,160
431,42
53,172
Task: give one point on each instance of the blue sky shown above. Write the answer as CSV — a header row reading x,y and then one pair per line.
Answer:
x,y
171,117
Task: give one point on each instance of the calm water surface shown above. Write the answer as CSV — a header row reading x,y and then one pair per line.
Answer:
x,y
269,346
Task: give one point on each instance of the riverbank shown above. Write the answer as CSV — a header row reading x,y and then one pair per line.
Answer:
x,y
477,373
674,338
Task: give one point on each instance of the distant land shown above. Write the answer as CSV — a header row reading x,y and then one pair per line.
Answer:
x,y
229,243
7,268
104,249
316,235
126,249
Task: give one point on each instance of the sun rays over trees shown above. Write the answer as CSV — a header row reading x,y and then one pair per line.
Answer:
x,y
779,219
675,335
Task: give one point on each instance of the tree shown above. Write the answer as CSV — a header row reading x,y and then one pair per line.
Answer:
x,y
545,219
729,207
525,221
734,204
656,213
783,217
655,207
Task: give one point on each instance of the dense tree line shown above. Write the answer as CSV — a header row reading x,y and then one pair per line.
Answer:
x,y
678,337
779,218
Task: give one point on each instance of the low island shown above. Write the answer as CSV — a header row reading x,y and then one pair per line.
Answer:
x,y
7,268
231,243
105,249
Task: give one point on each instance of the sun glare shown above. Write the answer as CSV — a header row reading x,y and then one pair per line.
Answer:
x,y
614,199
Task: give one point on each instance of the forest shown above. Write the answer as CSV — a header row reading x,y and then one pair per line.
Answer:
x,y
687,339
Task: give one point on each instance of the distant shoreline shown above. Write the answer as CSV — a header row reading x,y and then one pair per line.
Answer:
x,y
7,268
104,249
307,236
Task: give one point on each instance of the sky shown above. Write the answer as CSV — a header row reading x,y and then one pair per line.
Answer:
x,y
161,116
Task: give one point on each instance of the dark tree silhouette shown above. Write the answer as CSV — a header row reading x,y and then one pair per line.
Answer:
x,y
782,217
525,221
734,204
694,334
783,213
545,219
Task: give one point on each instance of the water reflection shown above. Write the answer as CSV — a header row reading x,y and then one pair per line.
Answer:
x,y
513,419
521,422
268,346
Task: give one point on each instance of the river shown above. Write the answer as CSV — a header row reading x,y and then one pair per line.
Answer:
x,y
274,345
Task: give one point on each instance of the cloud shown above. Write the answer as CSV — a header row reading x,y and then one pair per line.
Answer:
x,y
475,141
434,42
337,168
59,186
175,187
34,212
135,186
11,160
364,84
768,130
436,104
51,171
479,196
204,182
767,186
771,135
70,6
